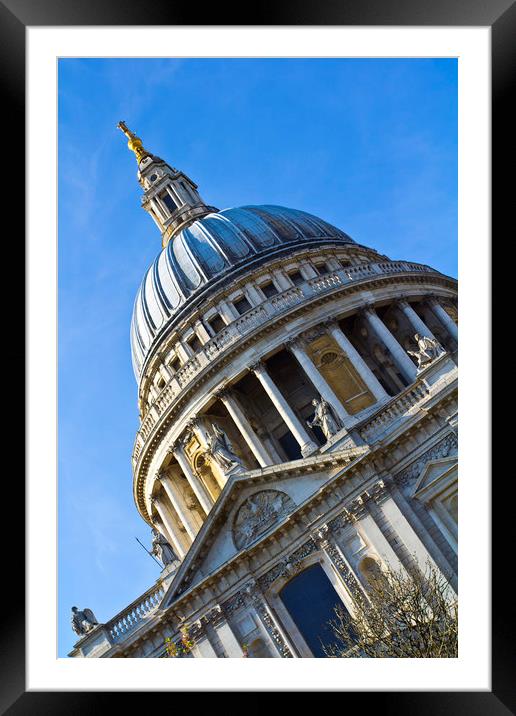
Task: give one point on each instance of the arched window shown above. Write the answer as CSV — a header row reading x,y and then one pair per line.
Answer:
x,y
259,650
372,572
311,600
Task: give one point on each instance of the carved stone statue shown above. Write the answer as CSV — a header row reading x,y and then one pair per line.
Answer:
x,y
221,450
161,549
428,350
83,621
325,418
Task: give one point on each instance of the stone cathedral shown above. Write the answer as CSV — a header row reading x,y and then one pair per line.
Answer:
x,y
297,394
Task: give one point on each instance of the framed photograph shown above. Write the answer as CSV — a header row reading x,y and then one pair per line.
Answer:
x,y
244,247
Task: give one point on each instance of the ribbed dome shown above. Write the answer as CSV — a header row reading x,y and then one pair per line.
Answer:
x,y
210,249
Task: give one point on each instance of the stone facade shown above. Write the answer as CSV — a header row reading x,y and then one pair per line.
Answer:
x,y
229,464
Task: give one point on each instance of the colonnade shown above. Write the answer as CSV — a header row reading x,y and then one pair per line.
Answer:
x,y
169,506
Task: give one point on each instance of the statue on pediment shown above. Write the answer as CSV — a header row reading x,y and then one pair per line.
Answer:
x,y
428,350
325,418
221,450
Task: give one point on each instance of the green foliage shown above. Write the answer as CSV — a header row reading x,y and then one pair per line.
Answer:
x,y
182,647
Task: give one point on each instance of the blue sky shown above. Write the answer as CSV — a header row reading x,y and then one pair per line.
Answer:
x,y
368,145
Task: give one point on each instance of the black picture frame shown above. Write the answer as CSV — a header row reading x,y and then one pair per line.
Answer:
x,y
500,15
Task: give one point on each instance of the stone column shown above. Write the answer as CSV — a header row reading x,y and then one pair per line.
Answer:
x,y
357,361
234,408
228,313
306,444
373,535
402,360
155,218
225,633
325,540
297,348
421,529
257,600
182,353
197,486
202,646
415,321
443,316
399,523
158,211
281,280
201,332
170,527
177,501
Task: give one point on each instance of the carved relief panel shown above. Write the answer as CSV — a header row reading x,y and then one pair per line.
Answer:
x,y
258,513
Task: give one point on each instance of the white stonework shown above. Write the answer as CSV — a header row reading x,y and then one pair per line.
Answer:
x,y
231,329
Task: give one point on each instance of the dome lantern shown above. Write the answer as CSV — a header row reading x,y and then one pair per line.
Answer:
x,y
170,197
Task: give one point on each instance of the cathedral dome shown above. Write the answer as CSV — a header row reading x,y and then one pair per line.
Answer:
x,y
212,248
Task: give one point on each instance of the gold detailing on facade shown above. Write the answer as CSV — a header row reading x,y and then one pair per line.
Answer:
x,y
135,143
339,373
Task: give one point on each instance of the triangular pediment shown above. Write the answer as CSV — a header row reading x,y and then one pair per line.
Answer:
x,y
251,505
434,473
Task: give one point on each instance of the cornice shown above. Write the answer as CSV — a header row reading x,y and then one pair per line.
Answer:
x,y
203,540
165,344
167,419
371,462
316,534
240,274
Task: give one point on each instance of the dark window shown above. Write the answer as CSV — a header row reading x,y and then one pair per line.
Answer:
x,y
216,323
322,269
194,343
161,383
175,364
242,305
168,201
269,289
290,446
310,599
296,277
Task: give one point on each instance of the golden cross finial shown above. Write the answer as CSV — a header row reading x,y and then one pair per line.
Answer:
x,y
134,143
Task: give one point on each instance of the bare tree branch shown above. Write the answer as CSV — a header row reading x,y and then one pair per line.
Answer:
x,y
405,616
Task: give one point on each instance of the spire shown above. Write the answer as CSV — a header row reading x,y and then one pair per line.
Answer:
x,y
134,143
169,196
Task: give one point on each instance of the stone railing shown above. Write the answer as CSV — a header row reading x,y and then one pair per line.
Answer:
x,y
185,374
396,408
287,299
401,405
147,425
135,614
258,316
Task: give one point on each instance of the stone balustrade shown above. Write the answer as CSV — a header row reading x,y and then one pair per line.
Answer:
x,y
401,405
221,341
398,406
135,614
188,371
326,282
147,426
285,300
258,316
